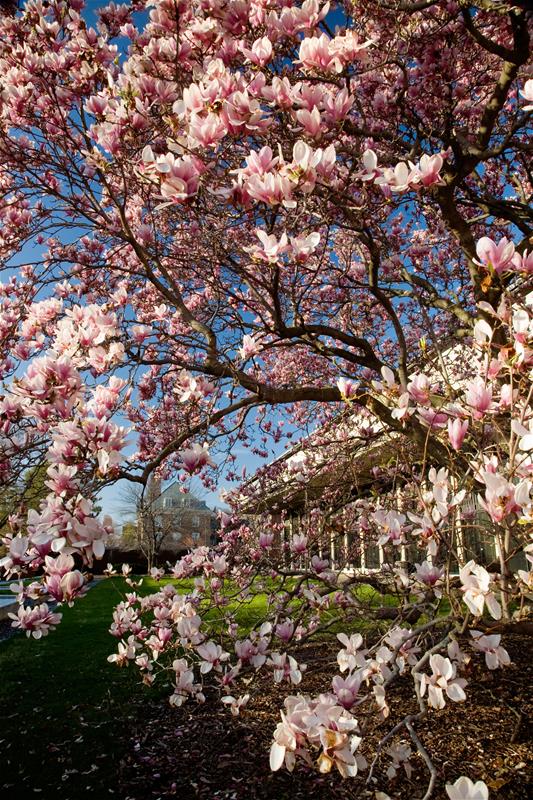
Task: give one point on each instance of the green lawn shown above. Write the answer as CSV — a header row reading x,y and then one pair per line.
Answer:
x,y
64,707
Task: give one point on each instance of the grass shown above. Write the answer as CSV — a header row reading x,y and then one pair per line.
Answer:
x,y
64,707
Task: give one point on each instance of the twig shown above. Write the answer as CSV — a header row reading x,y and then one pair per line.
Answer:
x,y
425,755
517,714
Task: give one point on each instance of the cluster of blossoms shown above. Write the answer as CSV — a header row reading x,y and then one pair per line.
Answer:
x,y
404,177
318,723
37,621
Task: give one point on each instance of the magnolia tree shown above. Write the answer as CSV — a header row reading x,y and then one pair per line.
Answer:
x,y
226,222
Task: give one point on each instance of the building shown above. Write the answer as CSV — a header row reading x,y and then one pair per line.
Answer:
x,y
321,488
187,521
167,524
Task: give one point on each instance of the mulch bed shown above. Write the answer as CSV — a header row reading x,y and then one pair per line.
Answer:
x,y
203,753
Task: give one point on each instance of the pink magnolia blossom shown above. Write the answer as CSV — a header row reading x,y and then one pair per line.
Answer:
x,y
419,389
205,131
395,180
253,652
319,565
299,544
482,332
250,347
391,523
346,689
400,754
348,388
266,540
260,52
126,652
432,418
403,409
180,182
402,643
525,434
427,171
289,739
271,248
212,656
17,555
465,789
430,575
318,54
523,262
479,397
311,121
284,630
302,247
274,190
286,668
317,723
498,256
476,585
338,750
157,573
370,166
236,703
350,48
185,686
259,162
457,655
195,457
527,94
495,655
64,588
457,430
298,464
526,576
499,500
352,655
191,388
442,680
427,529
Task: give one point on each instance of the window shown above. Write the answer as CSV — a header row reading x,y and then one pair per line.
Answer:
x,y
372,557
195,536
195,520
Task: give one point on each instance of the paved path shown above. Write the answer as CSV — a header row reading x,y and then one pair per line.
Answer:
x,y
7,599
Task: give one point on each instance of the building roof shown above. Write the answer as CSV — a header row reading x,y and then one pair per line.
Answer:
x,y
183,499
350,450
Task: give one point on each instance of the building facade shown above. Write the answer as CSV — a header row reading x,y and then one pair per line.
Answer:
x,y
168,523
188,521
